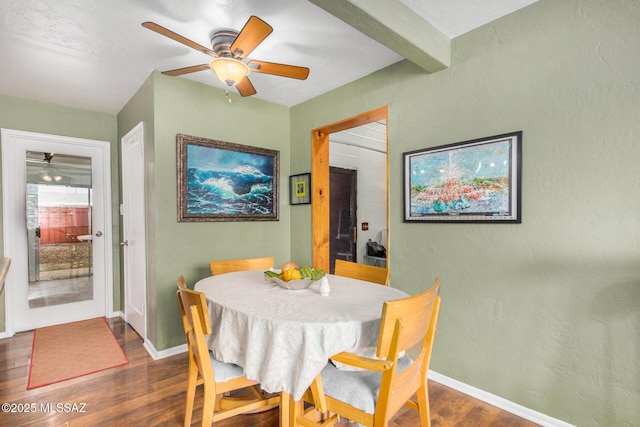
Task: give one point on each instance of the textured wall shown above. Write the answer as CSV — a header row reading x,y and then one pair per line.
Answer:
x,y
545,313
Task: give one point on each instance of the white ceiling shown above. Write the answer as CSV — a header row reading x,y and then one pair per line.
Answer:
x,y
371,136
94,54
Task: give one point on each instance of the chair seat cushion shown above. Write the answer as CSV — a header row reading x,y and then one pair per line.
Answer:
x,y
225,371
357,388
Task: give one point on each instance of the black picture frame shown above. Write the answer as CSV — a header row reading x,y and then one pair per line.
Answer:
x,y
300,189
224,181
476,181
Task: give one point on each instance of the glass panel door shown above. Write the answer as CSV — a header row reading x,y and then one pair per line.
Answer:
x,y
57,229
59,203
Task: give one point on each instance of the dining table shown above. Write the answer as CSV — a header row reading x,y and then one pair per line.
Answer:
x,y
283,338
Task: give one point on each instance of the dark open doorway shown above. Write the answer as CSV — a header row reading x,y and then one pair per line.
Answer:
x,y
343,213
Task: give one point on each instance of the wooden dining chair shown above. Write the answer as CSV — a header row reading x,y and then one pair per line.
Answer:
x,y
375,392
216,377
230,265
370,273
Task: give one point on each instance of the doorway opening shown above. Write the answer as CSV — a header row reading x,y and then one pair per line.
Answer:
x,y
343,212
321,195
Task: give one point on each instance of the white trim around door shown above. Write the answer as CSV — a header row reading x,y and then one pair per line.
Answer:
x,y
15,144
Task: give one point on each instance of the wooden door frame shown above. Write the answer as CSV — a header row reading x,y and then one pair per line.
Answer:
x,y
320,201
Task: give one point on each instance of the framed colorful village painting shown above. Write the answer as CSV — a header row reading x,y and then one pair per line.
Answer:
x,y
470,181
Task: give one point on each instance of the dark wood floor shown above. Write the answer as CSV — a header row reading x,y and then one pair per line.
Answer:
x,y
151,393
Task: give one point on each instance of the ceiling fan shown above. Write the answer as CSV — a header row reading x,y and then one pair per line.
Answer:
x,y
229,49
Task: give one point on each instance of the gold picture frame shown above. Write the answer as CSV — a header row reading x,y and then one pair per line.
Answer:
x,y
223,181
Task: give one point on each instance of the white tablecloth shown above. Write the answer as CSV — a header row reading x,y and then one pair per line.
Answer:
x,y
284,338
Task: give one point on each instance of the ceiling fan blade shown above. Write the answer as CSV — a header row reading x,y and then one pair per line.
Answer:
x,y
251,35
284,70
245,88
177,37
186,70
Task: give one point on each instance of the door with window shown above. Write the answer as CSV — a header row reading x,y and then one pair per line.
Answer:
x,y
57,228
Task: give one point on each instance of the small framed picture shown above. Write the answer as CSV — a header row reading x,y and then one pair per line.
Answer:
x,y
300,189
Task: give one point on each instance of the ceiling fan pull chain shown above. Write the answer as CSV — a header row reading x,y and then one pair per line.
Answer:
x,y
228,96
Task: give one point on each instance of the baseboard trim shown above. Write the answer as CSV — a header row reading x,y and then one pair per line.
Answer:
x,y
499,402
155,354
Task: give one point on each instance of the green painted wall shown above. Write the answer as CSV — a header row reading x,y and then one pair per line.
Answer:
x,y
186,107
545,313
21,114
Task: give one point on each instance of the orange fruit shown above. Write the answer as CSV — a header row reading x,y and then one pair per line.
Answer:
x,y
291,274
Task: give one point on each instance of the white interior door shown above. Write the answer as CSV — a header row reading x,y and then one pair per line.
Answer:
x,y
133,229
56,191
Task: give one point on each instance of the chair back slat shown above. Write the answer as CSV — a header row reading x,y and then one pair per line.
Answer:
x,y
196,323
198,345
369,273
243,264
414,313
187,298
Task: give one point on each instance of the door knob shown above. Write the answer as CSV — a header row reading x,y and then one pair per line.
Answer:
x,y
98,233
125,243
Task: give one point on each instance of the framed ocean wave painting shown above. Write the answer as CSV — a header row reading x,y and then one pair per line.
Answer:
x,y
470,181
223,181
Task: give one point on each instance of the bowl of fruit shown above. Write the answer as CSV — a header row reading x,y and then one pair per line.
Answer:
x,y
293,277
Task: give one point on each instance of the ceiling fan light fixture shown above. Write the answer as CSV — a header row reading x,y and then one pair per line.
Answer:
x,y
48,178
230,71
